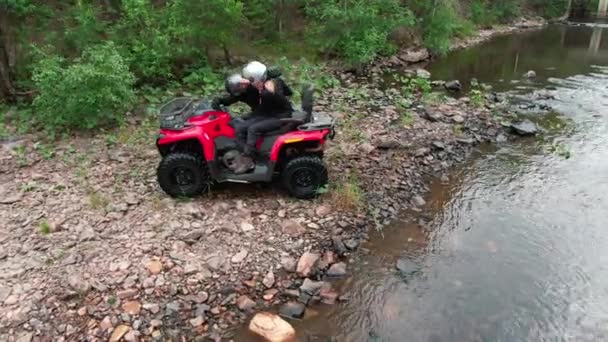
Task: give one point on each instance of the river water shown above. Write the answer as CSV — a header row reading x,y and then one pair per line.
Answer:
x,y
515,246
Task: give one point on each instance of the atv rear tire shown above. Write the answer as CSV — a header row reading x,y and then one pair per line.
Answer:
x,y
304,176
183,175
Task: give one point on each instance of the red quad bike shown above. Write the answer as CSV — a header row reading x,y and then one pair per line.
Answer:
x,y
198,147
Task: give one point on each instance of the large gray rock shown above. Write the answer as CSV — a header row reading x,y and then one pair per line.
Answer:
x,y
292,310
453,85
407,266
311,287
524,128
415,55
421,73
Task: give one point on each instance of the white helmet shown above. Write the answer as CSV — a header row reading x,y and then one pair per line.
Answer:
x,y
255,71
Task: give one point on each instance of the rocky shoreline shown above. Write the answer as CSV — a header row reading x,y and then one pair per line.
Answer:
x,y
418,55
90,249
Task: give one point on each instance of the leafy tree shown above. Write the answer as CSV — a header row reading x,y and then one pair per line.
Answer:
x,y
358,30
209,23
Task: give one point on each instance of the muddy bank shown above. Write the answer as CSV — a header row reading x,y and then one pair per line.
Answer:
x,y
90,248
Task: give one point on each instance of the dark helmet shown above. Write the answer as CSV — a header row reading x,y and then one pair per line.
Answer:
x,y
233,84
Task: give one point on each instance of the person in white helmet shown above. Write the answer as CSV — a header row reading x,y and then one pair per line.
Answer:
x,y
268,101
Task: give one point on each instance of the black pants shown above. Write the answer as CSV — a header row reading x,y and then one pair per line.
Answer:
x,y
251,130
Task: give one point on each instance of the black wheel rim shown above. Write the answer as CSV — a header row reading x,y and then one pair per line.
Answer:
x,y
304,178
183,177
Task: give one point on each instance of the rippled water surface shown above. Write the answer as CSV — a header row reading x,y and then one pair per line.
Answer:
x,y
515,247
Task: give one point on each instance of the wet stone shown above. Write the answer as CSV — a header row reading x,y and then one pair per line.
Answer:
x,y
338,245
337,270
351,244
292,310
524,128
406,266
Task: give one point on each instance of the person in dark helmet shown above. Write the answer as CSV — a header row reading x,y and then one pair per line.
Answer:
x,y
268,99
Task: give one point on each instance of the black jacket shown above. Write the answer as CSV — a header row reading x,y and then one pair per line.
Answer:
x,y
265,104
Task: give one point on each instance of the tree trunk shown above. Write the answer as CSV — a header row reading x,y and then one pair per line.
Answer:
x,y
7,59
567,12
279,16
226,54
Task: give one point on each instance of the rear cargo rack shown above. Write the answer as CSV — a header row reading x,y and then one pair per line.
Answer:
x,y
175,113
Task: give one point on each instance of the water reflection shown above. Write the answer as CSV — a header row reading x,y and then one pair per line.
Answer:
x,y
515,248
557,51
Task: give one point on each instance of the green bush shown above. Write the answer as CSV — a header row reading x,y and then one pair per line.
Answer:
x,y
482,13
94,90
552,8
440,25
506,10
143,39
358,30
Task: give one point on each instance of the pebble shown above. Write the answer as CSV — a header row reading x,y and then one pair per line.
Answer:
x,y
131,307
152,307
154,266
337,270
351,244
458,119
245,303
268,280
289,264
197,321
240,256
418,201
306,264
247,227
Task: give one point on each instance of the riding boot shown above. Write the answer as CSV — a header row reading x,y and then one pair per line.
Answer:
x,y
243,164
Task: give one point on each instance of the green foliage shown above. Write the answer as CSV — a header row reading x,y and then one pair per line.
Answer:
x,y
553,8
506,10
84,27
477,97
19,7
358,30
300,73
44,227
560,150
416,86
206,23
482,14
407,119
204,77
95,90
46,151
143,39
439,21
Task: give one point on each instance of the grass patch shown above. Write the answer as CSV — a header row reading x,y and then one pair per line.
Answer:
x,y
20,153
45,151
458,130
111,301
407,119
347,194
28,187
44,227
98,201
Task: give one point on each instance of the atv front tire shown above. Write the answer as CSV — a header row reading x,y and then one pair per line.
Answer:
x,y
183,175
303,177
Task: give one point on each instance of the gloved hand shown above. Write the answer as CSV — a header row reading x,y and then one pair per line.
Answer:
x,y
215,104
